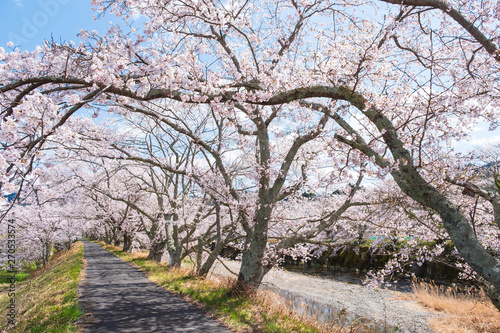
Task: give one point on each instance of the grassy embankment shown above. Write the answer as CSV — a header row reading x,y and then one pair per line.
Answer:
x,y
261,312
46,300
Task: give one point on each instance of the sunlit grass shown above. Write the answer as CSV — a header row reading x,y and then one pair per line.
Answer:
x,y
47,300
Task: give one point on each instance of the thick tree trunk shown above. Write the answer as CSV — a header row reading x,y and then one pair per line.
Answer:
x,y
199,255
496,210
155,255
175,256
494,295
108,236
172,242
46,253
252,269
127,243
116,237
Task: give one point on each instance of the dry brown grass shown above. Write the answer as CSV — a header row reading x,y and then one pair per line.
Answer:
x,y
468,311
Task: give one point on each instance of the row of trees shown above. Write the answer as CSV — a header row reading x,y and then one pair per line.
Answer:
x,y
228,110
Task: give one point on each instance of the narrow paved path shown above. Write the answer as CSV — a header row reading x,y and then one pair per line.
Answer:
x,y
122,299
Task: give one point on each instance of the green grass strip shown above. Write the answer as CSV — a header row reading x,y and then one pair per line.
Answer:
x,y
47,300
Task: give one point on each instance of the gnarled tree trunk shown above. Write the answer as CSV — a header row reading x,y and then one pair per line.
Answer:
x,y
252,269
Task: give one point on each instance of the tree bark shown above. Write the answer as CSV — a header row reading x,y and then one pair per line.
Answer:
x,y
46,253
175,257
155,252
252,269
127,243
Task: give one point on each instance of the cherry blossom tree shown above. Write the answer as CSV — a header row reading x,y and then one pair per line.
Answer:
x,y
46,221
397,91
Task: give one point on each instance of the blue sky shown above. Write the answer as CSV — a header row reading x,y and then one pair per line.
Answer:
x,y
28,23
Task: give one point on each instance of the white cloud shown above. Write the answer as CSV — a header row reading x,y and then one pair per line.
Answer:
x,y
494,139
136,15
481,136
18,2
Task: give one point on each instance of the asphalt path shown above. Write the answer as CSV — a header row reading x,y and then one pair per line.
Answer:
x,y
121,299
